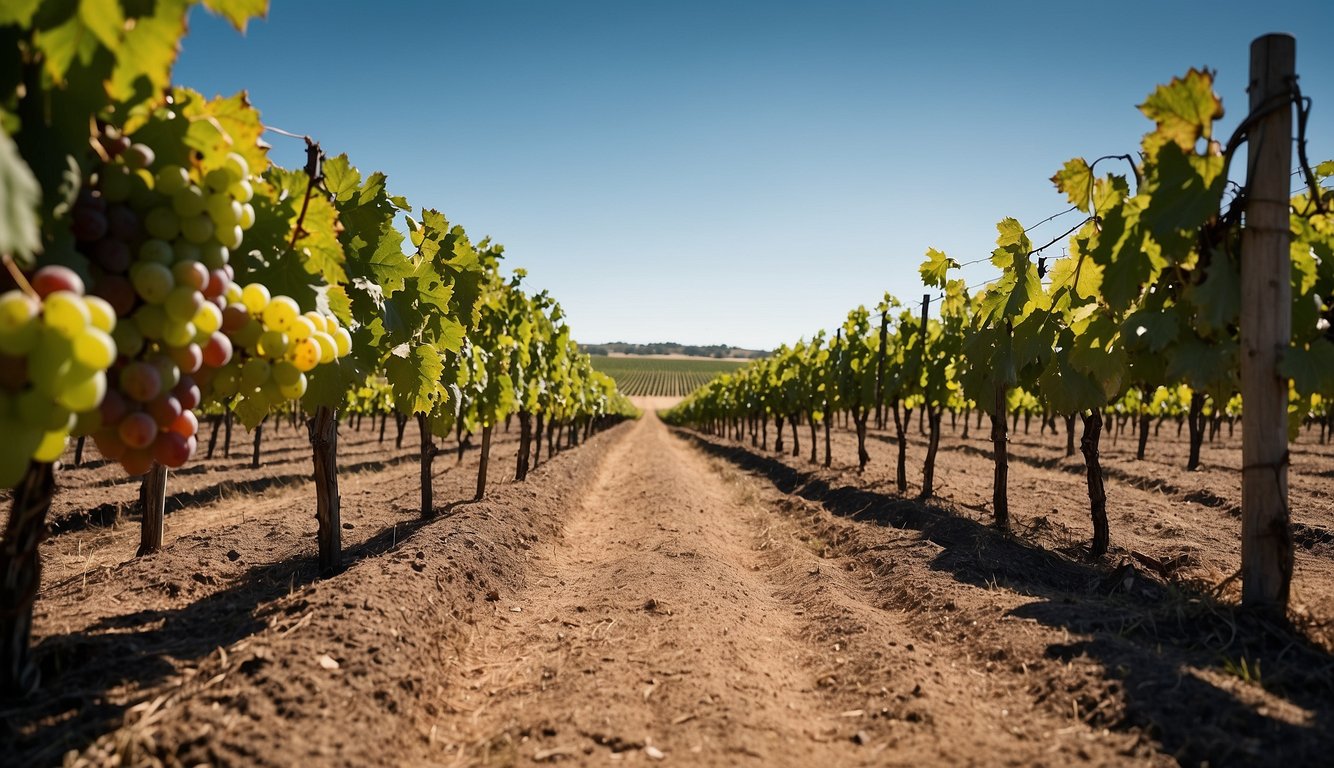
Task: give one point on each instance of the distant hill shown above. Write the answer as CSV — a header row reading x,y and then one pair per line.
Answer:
x,y
672,348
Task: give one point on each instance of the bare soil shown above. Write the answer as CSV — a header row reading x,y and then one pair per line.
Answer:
x,y
660,596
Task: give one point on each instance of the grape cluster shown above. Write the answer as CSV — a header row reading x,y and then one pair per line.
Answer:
x,y
277,345
159,237
55,348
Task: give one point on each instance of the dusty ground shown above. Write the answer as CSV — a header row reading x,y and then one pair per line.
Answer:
x,y
658,596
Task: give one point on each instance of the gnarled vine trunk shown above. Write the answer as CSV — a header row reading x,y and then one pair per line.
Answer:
x,y
20,578
1088,445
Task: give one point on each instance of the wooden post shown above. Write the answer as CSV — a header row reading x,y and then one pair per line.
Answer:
x,y
482,463
328,513
1266,328
154,496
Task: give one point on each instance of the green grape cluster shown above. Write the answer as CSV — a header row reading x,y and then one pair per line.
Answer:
x,y
55,349
159,237
276,345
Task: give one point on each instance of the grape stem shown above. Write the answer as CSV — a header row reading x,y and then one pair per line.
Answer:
x,y
17,274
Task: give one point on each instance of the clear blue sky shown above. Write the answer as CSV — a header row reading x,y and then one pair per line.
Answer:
x,y
735,172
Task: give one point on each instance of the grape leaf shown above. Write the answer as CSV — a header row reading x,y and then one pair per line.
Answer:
x,y
1184,110
238,12
1217,300
1075,179
20,232
1310,368
936,267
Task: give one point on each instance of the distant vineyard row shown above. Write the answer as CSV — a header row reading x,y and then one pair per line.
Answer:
x,y
662,377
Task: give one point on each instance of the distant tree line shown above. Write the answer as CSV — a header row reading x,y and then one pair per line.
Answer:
x,y
672,348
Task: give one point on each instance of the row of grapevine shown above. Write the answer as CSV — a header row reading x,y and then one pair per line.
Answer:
x,y
1145,309
158,266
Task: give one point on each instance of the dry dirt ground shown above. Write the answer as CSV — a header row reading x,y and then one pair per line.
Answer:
x,y
659,596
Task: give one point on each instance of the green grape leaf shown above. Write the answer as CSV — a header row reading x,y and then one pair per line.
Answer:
x,y
1096,351
936,267
1184,190
241,129
149,50
328,383
1153,329
1068,389
415,375
1217,300
1184,110
20,231
251,410
1205,366
1075,179
1310,368
238,12
18,12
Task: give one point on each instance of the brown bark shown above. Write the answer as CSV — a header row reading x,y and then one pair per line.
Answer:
x,y
153,497
328,513
20,578
1088,445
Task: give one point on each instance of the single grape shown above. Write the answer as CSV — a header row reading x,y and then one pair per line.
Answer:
x,y
304,354
242,191
118,292
167,370
188,201
162,223
235,317
176,333
217,284
184,250
247,216
113,407
51,446
328,350
101,315
285,373
140,381
112,255
172,179
94,348
18,310
88,225
208,318
137,461
197,229
50,279
186,425
137,430
214,255
139,156
219,179
152,281
236,167
218,350
183,302
231,236
255,297
165,410
189,358
191,273
273,344
280,313
187,392
296,390
85,395
151,320
342,342
301,328
66,313
224,211
129,339
171,450
123,223
157,252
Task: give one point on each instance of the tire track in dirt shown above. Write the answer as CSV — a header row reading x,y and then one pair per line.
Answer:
x,y
655,630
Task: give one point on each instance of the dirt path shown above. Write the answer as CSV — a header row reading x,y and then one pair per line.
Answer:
x,y
655,628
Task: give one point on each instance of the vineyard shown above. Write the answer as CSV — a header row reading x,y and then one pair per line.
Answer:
x,y
661,377
299,473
